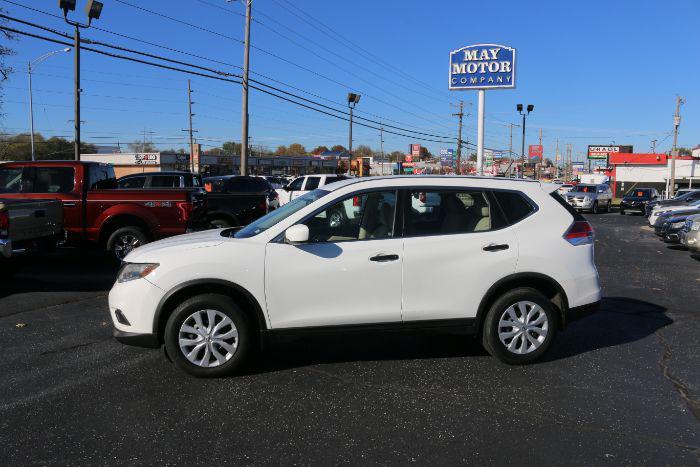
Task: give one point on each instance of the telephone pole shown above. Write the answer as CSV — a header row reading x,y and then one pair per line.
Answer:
x,y
460,114
674,152
541,164
556,158
381,145
653,146
510,148
244,81
190,114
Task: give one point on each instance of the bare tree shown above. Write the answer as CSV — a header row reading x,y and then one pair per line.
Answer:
x,y
5,51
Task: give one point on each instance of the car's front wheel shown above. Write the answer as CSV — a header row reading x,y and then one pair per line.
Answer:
x,y
594,209
520,326
208,336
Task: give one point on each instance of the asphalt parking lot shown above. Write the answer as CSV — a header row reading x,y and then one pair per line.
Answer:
x,y
622,386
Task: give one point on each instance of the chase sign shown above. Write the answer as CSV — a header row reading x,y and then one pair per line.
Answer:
x,y
482,66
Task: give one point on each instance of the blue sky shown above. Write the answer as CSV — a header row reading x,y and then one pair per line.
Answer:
x,y
597,71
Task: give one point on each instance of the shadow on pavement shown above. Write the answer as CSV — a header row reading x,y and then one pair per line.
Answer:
x,y
66,270
620,321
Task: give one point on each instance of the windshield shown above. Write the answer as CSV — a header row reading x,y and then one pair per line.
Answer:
x,y
638,194
278,215
584,188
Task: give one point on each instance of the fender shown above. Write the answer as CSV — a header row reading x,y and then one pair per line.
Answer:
x,y
522,277
125,209
257,309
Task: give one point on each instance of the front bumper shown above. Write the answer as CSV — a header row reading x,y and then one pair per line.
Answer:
x,y
5,248
578,312
580,203
628,207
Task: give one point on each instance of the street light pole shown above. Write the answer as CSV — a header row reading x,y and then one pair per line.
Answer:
x,y
93,8
31,94
353,99
529,109
244,111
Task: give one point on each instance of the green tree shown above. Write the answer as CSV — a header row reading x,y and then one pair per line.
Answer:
x,y
424,154
232,147
396,156
318,150
18,148
684,152
362,151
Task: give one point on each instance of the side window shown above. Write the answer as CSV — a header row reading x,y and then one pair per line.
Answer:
x,y
132,182
53,180
296,184
165,181
367,216
11,179
312,183
447,212
514,205
101,178
214,185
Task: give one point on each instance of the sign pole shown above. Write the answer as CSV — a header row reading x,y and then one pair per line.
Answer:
x,y
480,133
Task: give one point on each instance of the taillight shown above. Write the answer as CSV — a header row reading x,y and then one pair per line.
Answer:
x,y
580,233
4,223
185,210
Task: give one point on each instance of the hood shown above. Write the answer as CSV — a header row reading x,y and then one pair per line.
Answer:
x,y
680,212
207,238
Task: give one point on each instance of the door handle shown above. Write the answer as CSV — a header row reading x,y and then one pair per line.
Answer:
x,y
496,247
384,258
69,205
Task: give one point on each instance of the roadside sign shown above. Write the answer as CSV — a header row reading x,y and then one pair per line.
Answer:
x,y
603,152
535,151
482,66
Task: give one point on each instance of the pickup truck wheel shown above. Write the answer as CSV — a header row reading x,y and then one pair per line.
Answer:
x,y
208,336
519,326
220,224
124,240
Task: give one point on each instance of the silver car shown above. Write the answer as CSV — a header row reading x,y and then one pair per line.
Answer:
x,y
689,235
593,198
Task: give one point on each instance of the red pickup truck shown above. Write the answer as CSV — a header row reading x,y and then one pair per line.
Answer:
x,y
94,210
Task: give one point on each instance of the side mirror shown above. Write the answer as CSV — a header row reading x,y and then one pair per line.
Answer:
x,y
286,188
297,234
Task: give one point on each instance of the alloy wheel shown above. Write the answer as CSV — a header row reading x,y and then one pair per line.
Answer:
x,y
523,327
125,244
208,338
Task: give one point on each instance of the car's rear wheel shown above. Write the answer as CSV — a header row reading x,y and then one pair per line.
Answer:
x,y
520,326
124,240
208,336
608,206
220,224
622,211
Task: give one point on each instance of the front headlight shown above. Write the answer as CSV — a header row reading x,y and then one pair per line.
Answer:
x,y
695,226
133,271
677,225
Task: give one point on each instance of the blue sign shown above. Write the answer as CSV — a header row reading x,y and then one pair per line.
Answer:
x,y
446,157
482,66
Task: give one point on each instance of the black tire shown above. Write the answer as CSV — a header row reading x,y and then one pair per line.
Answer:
x,y
608,207
622,211
124,240
224,305
8,267
490,331
594,209
220,224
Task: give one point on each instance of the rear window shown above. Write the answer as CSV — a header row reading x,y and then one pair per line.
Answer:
x,y
312,183
102,178
165,181
247,185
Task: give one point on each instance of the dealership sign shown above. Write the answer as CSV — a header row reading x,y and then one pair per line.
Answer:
x,y
603,152
482,66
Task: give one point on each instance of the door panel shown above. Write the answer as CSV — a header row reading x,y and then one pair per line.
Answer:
x,y
323,284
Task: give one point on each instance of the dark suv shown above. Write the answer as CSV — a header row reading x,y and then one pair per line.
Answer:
x,y
636,200
172,179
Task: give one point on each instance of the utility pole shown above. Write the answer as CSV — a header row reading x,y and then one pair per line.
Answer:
x,y
76,71
460,114
556,158
244,117
674,152
510,148
541,164
381,145
653,146
190,115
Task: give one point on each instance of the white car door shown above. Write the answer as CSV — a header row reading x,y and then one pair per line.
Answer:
x,y
348,273
454,251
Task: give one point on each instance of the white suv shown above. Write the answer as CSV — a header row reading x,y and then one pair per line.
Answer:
x,y
507,260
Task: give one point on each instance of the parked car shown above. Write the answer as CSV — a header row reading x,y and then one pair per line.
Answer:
x,y
593,198
669,209
235,201
565,188
690,234
684,198
637,199
669,231
304,184
172,179
27,224
95,211
479,261
277,182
